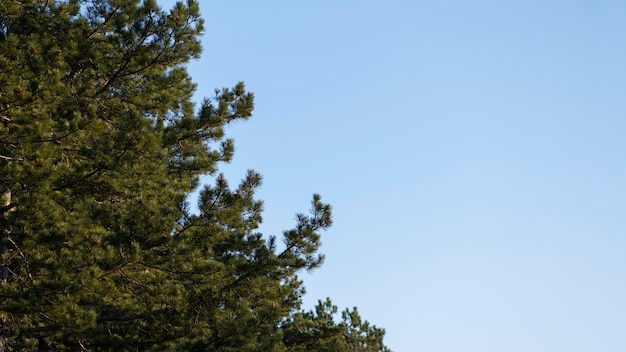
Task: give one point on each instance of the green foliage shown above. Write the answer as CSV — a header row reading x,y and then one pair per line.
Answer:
x,y
99,148
317,331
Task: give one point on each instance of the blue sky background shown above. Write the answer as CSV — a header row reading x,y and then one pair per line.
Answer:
x,y
473,153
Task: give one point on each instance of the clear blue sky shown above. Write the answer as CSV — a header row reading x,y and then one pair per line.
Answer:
x,y
474,153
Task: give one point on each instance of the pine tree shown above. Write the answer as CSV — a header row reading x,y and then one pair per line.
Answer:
x,y
99,148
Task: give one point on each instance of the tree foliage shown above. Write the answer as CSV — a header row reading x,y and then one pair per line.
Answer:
x,y
99,148
317,330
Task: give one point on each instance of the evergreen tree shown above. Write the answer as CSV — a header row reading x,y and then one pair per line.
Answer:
x,y
99,147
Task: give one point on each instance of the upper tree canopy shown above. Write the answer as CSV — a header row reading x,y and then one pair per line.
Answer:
x,y
99,146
